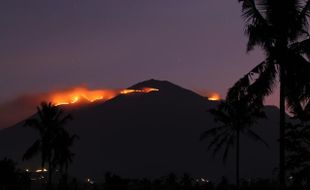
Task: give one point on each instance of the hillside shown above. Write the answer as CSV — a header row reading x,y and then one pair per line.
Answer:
x,y
150,135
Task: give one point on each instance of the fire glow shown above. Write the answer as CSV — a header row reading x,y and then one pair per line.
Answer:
x,y
214,97
143,90
80,94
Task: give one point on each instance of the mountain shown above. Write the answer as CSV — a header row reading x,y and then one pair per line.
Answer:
x,y
150,135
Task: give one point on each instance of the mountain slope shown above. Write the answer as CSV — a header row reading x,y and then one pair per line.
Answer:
x,y
150,135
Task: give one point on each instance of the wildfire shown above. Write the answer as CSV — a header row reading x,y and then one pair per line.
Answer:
x,y
214,96
143,90
79,94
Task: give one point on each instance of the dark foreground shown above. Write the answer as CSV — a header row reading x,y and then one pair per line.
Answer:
x,y
32,181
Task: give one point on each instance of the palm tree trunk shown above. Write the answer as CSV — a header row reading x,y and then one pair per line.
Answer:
x,y
66,179
282,131
238,160
50,169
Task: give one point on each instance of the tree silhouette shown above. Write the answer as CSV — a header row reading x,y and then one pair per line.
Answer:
x,y
49,122
63,156
298,145
234,119
280,28
12,178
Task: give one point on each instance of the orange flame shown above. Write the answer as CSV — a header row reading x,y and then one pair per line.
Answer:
x,y
214,96
79,94
143,90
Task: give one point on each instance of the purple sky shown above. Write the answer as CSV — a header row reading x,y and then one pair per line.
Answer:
x,y
51,44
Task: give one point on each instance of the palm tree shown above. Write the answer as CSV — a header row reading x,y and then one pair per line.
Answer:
x,y
49,123
63,156
235,119
280,28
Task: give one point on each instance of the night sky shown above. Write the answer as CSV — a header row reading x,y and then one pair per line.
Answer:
x,y
51,44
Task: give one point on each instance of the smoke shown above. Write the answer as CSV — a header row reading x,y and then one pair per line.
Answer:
x,y
22,107
18,109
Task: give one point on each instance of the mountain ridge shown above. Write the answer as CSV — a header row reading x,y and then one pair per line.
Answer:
x,y
148,135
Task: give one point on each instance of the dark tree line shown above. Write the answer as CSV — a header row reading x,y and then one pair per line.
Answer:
x,y
12,178
170,182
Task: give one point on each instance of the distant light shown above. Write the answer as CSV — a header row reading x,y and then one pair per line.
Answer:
x,y
27,170
202,180
89,181
41,170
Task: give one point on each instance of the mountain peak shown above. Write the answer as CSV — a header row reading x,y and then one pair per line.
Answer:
x,y
167,92
164,87
153,83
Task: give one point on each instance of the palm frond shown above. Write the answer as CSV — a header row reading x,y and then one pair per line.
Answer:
x,y
251,13
259,35
305,13
32,151
220,115
256,137
212,132
229,144
298,82
255,85
302,47
238,117
263,86
217,139
218,146
34,123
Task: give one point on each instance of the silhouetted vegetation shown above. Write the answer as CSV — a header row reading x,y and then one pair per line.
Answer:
x,y
185,182
280,28
12,178
234,118
169,182
54,142
298,147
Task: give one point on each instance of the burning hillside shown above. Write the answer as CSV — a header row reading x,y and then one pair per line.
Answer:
x,y
143,90
23,106
210,95
78,94
214,96
135,130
